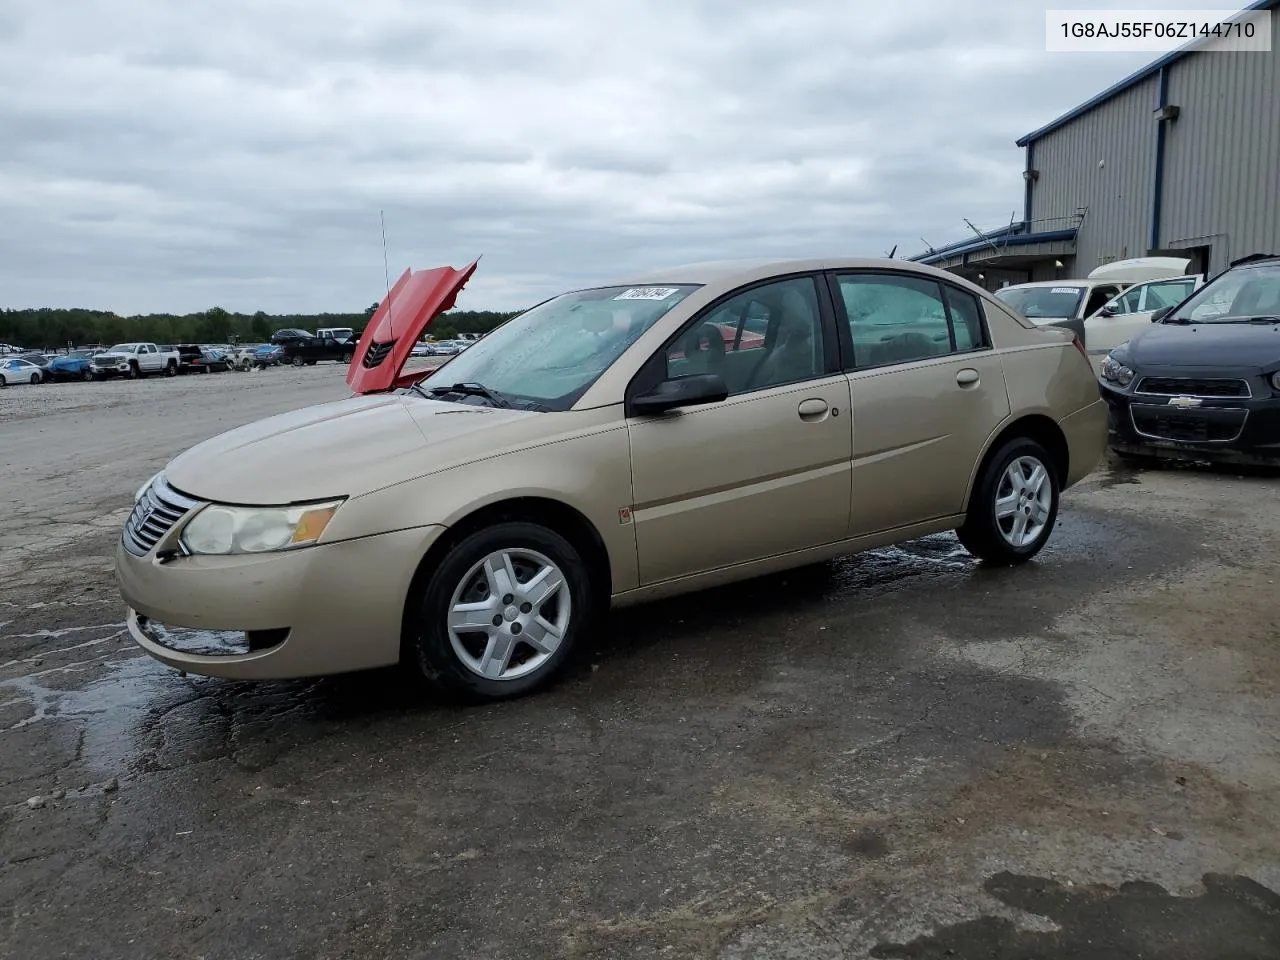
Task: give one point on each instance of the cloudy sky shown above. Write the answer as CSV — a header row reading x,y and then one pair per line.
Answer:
x,y
171,156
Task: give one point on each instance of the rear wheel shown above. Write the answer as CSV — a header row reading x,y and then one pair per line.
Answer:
x,y
297,361
1014,504
502,613
171,369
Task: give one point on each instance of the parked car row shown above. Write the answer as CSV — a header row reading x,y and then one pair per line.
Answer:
x,y
134,361
1189,369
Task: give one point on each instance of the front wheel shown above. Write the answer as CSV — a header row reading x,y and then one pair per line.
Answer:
x,y
1014,505
134,372
297,361
35,378
86,374
502,613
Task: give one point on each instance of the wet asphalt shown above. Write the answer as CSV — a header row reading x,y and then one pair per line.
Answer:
x,y
899,754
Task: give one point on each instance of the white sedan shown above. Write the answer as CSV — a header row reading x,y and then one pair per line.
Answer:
x,y
17,370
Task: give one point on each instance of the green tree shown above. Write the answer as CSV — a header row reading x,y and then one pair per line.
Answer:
x,y
260,328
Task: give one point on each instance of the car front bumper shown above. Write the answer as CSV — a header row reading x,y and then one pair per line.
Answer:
x,y
331,608
1242,430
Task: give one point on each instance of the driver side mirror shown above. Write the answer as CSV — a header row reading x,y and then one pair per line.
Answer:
x,y
1161,314
1107,310
682,392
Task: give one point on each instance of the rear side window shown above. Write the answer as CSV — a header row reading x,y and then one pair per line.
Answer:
x,y
966,319
900,319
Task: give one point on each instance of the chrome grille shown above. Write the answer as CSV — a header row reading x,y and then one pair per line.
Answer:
x,y
154,515
1204,387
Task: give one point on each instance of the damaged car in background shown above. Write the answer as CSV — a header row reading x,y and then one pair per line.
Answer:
x,y
614,444
1203,381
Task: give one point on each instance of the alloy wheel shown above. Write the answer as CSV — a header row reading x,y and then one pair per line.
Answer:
x,y
1024,500
509,614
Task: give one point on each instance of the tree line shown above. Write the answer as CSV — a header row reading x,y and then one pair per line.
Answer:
x,y
47,328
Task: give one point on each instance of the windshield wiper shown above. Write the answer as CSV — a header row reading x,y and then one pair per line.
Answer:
x,y
470,390
1181,321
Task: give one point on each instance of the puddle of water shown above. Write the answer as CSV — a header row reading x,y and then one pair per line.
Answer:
x,y
111,710
876,571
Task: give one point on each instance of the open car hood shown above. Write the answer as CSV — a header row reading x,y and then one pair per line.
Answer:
x,y
398,323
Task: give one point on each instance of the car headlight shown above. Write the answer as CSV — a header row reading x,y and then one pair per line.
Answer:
x,y
1116,372
1275,379
218,529
143,489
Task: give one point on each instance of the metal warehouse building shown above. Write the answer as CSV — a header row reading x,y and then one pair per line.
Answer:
x,y
1181,158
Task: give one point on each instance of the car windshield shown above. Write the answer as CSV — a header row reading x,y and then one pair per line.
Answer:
x,y
1236,296
1036,302
123,348
548,356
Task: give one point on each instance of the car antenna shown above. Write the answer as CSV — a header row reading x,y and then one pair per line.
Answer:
x,y
386,269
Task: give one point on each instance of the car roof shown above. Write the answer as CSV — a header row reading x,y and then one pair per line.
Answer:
x,y
728,271
1047,283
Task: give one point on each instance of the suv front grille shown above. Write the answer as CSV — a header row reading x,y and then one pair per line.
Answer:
x,y
154,515
1206,387
377,353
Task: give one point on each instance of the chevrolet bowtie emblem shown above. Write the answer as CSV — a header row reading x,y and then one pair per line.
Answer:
x,y
1184,402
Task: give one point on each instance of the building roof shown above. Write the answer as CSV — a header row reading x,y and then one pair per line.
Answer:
x,y
1130,81
1015,235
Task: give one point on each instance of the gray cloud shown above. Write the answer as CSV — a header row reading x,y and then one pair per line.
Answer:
x,y
164,156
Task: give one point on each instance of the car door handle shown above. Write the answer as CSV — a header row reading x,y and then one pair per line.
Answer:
x,y
968,377
812,409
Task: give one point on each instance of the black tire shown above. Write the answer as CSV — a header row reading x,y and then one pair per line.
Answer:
x,y
346,357
86,374
3,383
429,646
982,534
134,372
297,361
170,369
35,378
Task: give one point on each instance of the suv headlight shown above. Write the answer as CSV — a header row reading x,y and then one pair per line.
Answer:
x,y
1116,372
217,529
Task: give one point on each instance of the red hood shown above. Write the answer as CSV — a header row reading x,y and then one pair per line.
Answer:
x,y
398,323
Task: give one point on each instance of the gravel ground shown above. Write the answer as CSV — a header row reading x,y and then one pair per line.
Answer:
x,y
899,754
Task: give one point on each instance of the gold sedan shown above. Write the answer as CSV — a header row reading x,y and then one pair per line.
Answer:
x,y
614,444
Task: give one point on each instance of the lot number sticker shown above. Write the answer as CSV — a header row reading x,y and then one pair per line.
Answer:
x,y
647,293
1064,290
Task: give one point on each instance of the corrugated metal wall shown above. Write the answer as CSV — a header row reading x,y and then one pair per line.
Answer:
x,y
1221,169
1222,154
1121,134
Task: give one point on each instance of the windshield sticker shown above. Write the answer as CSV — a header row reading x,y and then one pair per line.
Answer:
x,y
647,293
1065,290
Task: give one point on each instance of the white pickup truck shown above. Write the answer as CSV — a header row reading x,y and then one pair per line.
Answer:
x,y
135,360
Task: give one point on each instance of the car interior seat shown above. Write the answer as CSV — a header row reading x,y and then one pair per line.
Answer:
x,y
793,355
